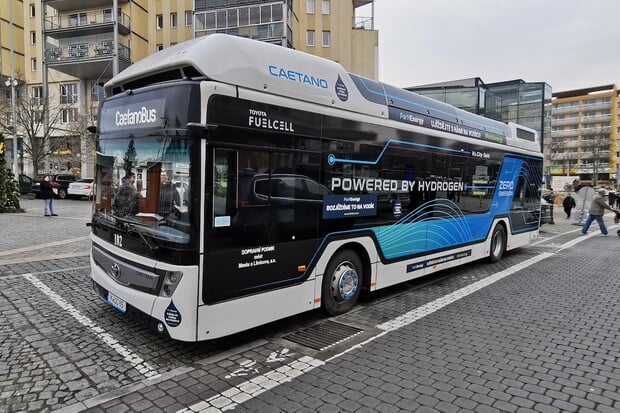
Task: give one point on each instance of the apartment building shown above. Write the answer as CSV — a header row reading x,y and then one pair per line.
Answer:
x,y
339,30
585,135
63,51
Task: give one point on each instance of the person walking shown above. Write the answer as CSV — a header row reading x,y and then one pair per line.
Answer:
x,y
47,193
568,204
596,211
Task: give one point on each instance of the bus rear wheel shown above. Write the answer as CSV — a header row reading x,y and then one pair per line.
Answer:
x,y
342,283
498,243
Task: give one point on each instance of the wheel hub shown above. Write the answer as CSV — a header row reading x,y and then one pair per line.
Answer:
x,y
344,282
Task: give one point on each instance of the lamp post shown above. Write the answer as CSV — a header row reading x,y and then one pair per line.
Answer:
x,y
12,83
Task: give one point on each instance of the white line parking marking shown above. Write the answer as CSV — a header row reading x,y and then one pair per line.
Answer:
x,y
42,246
429,308
136,361
249,389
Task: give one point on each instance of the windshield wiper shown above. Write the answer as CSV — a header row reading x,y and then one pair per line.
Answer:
x,y
132,227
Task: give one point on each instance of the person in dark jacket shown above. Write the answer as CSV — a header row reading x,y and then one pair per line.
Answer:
x,y
127,199
47,193
169,198
568,204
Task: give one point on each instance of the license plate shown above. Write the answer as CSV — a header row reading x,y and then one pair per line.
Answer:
x,y
116,302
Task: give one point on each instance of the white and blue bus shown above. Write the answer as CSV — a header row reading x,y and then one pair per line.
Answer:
x,y
238,183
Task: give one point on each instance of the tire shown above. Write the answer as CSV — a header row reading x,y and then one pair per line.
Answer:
x,y
62,193
342,283
498,243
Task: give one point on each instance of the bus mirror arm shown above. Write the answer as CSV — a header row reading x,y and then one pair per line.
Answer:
x,y
200,129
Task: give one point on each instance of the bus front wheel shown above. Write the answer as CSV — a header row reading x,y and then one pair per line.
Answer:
x,y
342,283
498,243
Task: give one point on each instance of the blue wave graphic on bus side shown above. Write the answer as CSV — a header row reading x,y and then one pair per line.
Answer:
x,y
434,225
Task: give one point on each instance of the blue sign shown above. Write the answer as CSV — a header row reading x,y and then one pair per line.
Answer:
x,y
347,206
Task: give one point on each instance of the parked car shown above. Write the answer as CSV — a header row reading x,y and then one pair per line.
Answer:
x,y
25,184
80,188
59,181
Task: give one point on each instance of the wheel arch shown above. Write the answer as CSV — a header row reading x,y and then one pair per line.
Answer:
x,y
362,253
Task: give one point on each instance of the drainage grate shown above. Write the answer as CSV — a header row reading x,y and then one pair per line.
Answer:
x,y
323,336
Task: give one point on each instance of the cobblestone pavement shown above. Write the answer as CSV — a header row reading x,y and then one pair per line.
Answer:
x,y
535,332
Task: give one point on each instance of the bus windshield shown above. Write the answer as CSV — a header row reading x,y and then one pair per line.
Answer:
x,y
142,190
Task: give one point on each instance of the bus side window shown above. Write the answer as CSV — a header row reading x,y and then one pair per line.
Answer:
x,y
224,185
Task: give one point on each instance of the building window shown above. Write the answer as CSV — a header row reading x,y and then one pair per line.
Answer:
x,y
159,21
107,15
188,18
77,19
159,47
68,93
97,93
33,10
310,7
326,6
37,95
33,37
327,38
33,64
173,20
69,115
310,38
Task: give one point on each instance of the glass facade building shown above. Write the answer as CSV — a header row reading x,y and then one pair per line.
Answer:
x,y
525,103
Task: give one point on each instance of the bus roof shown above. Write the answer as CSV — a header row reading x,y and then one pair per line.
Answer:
x,y
281,71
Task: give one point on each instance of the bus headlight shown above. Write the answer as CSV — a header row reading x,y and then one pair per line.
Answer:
x,y
171,281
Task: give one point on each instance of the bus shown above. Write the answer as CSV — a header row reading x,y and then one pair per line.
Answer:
x,y
239,182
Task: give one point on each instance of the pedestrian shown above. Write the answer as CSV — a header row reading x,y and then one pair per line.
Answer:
x,y
597,209
47,193
568,204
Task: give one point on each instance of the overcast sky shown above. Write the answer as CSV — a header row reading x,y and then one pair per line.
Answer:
x,y
570,44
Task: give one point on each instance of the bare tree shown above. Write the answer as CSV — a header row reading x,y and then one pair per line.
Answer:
x,y
84,140
36,123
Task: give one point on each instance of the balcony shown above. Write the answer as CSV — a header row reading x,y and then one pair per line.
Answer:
x,y
565,109
75,24
79,59
363,23
597,118
596,105
573,120
596,130
564,133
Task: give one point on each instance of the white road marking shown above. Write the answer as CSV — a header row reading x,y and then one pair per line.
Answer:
x,y
42,246
249,389
133,359
429,308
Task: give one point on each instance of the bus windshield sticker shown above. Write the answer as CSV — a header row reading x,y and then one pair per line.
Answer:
x,y
346,206
223,221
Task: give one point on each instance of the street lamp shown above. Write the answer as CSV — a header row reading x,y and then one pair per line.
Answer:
x,y
12,82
